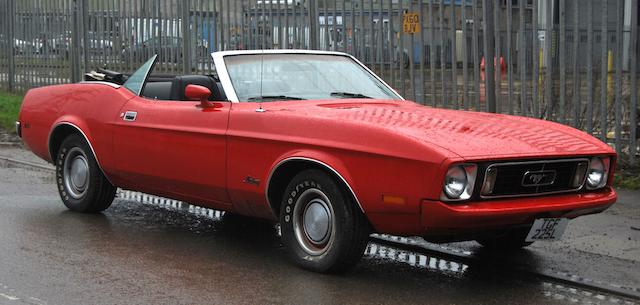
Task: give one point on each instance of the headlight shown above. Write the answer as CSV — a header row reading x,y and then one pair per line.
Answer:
x,y
597,174
459,182
455,182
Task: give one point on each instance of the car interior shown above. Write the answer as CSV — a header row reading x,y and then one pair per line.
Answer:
x,y
164,87
171,88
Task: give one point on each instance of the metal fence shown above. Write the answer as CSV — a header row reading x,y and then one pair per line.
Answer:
x,y
571,61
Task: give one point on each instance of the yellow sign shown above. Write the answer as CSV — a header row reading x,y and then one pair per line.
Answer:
x,y
410,23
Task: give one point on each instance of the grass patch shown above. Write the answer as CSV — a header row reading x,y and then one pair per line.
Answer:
x,y
9,109
627,177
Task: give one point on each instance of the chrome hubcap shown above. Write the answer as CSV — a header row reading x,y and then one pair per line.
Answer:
x,y
316,221
313,222
76,173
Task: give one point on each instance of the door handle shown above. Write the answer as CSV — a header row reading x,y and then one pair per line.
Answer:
x,y
129,116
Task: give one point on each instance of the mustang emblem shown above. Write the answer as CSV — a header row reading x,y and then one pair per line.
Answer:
x,y
539,178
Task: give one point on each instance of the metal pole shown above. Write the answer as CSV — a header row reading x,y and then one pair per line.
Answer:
x,y
411,63
325,25
422,99
522,68
465,64
380,48
476,53
633,51
443,64
344,25
186,37
508,56
618,75
497,40
372,43
603,74
535,79
75,59
11,14
334,38
589,67
84,20
392,35
228,25
576,71
562,55
313,24
454,59
548,64
489,45
401,55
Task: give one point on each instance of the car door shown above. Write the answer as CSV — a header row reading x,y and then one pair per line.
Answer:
x,y
175,149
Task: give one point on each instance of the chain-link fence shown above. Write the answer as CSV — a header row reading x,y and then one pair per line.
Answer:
x,y
571,61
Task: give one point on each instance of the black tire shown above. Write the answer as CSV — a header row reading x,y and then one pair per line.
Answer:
x,y
340,245
511,241
88,193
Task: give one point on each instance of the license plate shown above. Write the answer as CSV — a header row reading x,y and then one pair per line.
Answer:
x,y
547,229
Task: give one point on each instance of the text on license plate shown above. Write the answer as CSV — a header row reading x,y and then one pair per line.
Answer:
x,y
547,229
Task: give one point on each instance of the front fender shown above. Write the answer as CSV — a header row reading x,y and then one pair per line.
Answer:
x,y
325,160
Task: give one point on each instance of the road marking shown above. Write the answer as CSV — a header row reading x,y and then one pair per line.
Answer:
x,y
12,295
9,297
37,301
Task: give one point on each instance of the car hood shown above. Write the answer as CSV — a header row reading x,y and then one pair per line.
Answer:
x,y
468,134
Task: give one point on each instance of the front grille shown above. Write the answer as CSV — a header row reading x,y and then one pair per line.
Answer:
x,y
550,176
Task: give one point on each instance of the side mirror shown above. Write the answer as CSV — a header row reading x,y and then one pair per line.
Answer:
x,y
198,93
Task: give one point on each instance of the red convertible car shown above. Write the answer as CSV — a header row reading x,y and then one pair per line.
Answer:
x,y
318,142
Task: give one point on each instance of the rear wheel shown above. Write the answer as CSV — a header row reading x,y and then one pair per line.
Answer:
x,y
81,184
510,241
323,229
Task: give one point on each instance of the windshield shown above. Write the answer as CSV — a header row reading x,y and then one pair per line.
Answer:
x,y
302,76
136,81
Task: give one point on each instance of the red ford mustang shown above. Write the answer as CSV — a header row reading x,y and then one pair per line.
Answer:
x,y
318,142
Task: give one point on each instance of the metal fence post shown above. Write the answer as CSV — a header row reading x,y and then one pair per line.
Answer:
x,y
84,21
75,43
313,24
11,14
489,45
633,111
186,36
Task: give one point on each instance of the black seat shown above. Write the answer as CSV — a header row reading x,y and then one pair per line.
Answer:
x,y
158,90
181,82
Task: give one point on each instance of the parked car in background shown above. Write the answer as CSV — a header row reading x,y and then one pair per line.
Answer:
x,y
99,44
60,44
168,49
27,47
317,142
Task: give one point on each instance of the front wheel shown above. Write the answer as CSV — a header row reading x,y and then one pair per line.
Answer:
x,y
81,184
323,229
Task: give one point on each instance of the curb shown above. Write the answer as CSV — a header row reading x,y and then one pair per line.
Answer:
x,y
26,164
11,144
549,275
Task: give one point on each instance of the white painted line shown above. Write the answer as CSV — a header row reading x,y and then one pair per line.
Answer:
x,y
9,297
37,301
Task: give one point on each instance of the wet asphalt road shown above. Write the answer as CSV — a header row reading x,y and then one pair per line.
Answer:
x,y
144,254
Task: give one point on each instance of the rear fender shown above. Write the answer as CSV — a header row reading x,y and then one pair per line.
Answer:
x,y
80,127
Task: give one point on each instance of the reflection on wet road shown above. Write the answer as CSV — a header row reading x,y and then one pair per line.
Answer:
x,y
164,252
